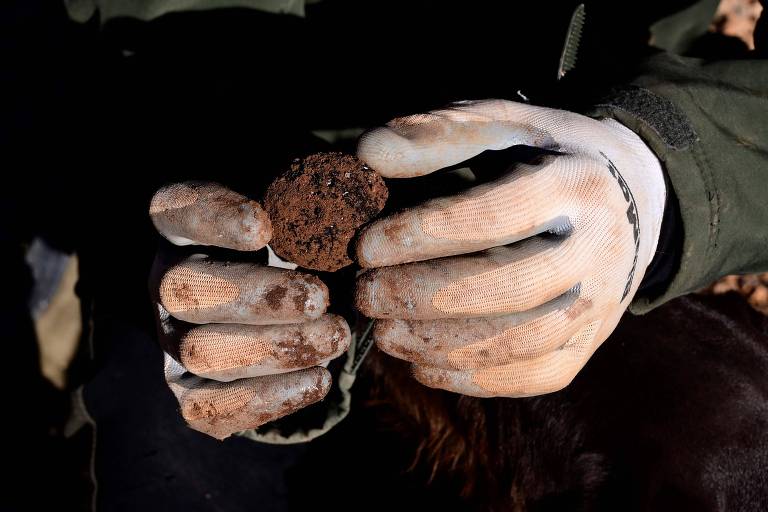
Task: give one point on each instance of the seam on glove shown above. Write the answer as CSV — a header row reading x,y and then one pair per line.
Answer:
x,y
670,124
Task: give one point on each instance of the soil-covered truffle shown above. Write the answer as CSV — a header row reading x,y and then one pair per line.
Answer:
x,y
317,206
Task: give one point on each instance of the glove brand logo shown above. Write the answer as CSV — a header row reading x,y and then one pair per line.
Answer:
x,y
631,217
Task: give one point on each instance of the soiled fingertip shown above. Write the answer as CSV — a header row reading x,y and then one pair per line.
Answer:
x,y
384,150
384,331
322,383
363,250
257,228
365,292
402,291
392,240
373,249
313,298
342,332
310,386
397,339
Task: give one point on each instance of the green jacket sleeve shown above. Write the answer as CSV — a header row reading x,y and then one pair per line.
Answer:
x,y
708,124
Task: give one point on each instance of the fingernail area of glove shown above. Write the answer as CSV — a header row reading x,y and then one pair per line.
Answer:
x,y
221,409
394,292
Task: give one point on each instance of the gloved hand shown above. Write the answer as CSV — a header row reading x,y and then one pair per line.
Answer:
x,y
520,280
243,341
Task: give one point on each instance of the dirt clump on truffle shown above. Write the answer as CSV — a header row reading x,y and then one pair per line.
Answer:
x,y
318,205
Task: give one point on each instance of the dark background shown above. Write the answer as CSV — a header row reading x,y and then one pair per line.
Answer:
x,y
94,118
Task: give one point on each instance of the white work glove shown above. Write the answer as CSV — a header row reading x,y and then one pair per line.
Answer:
x,y
243,341
520,280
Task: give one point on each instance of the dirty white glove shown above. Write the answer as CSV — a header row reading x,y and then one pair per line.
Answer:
x,y
243,341
520,280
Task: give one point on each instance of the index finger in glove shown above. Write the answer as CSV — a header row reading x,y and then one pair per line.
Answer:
x,y
421,144
495,282
530,200
199,213
203,291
